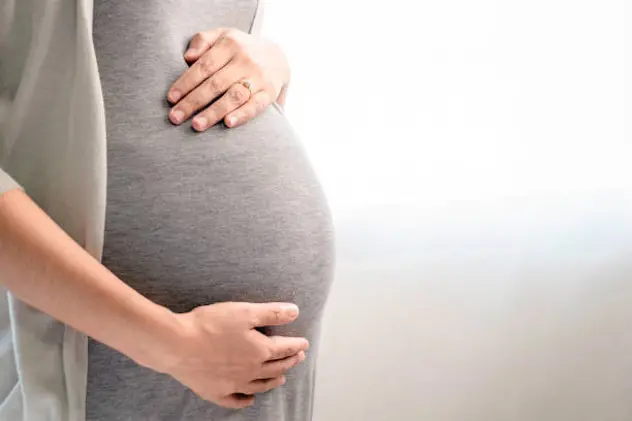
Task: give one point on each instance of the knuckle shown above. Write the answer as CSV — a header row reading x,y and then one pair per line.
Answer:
x,y
205,67
214,84
219,42
263,354
199,36
193,103
248,314
246,60
216,111
204,35
237,95
227,40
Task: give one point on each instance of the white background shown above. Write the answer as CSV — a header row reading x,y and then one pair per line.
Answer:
x,y
476,158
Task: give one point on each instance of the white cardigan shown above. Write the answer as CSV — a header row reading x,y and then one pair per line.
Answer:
x,y
52,144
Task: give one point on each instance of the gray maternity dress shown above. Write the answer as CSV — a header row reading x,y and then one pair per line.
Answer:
x,y
198,218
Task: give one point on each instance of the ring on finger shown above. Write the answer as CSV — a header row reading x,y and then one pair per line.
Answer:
x,y
248,84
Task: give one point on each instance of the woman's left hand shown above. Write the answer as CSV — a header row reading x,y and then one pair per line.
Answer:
x,y
225,62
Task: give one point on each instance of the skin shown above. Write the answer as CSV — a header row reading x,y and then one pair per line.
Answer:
x,y
214,350
220,59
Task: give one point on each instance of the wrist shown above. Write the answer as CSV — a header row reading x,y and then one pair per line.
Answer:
x,y
283,69
158,344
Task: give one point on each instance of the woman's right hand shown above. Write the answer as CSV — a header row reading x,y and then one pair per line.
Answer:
x,y
215,350
223,358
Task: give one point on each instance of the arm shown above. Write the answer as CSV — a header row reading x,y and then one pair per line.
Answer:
x,y
214,350
45,268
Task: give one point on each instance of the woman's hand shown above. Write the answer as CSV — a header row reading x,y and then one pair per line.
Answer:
x,y
222,357
225,62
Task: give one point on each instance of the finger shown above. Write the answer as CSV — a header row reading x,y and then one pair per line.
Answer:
x,y
206,93
253,107
210,63
237,401
235,97
262,386
278,368
280,347
272,314
201,43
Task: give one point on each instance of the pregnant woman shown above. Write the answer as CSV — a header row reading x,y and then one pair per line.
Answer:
x,y
216,230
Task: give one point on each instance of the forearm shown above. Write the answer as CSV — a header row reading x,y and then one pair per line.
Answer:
x,y
45,268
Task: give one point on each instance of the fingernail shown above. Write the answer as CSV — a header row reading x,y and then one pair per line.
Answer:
x,y
176,116
230,121
200,123
190,52
175,95
290,310
302,356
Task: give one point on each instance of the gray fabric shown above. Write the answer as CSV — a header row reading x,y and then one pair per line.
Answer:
x,y
52,142
193,219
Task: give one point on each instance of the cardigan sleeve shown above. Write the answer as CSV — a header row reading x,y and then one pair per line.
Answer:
x,y
6,182
257,21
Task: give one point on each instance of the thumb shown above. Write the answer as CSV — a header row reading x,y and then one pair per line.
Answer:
x,y
274,314
201,43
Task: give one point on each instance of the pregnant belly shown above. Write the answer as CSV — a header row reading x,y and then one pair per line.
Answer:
x,y
226,215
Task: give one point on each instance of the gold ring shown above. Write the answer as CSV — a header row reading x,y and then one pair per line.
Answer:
x,y
247,84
